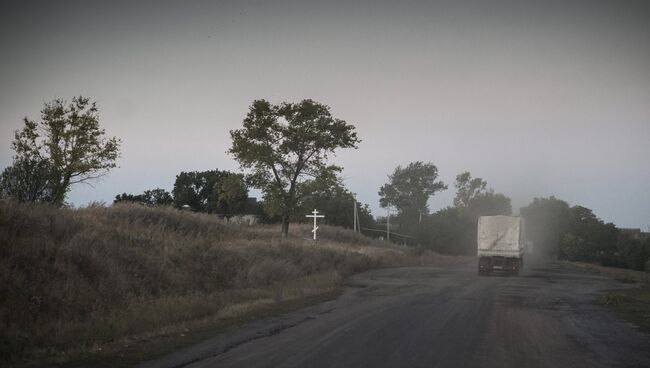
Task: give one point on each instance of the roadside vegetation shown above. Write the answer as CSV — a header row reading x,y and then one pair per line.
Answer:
x,y
631,304
76,281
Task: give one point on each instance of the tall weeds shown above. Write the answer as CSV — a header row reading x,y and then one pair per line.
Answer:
x,y
71,279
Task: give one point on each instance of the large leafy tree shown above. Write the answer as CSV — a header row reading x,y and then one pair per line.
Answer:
x,y
70,144
199,189
195,189
212,191
284,145
409,188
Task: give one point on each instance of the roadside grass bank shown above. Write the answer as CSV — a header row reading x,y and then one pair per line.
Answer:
x,y
130,280
632,304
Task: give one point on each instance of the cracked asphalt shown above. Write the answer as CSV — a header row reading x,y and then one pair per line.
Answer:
x,y
439,317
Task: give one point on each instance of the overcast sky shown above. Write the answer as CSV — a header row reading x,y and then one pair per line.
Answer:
x,y
538,98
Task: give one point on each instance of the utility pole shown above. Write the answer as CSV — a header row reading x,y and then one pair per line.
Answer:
x,y
355,215
358,220
388,225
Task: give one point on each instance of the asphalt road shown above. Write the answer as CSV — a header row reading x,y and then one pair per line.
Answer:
x,y
439,317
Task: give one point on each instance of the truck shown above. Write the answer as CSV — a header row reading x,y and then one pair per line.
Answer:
x,y
501,244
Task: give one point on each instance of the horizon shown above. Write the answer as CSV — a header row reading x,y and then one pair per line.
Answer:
x,y
538,99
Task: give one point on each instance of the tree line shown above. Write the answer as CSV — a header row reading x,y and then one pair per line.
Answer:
x,y
555,228
284,150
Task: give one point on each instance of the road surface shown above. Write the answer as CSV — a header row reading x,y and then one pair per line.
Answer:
x,y
439,317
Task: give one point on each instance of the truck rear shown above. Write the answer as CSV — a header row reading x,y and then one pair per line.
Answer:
x,y
501,244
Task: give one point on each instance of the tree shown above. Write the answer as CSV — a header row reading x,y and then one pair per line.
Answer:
x,y
159,197
597,239
475,199
409,188
284,145
26,180
197,189
328,194
467,188
453,230
69,140
154,197
450,231
212,191
233,194
487,204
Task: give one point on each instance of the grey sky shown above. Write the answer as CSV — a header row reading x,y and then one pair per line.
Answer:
x,y
538,98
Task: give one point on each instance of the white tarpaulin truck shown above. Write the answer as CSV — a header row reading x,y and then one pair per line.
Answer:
x,y
501,244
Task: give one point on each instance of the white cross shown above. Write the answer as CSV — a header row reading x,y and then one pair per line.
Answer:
x,y
315,215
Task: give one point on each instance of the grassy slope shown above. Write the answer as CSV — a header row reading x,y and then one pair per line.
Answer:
x,y
631,304
77,282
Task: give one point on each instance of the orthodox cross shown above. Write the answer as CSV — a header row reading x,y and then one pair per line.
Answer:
x,y
315,215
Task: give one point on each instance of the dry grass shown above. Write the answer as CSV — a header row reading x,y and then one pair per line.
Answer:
x,y
631,304
75,281
621,274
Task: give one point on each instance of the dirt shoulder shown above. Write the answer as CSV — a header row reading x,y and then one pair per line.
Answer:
x,y
631,304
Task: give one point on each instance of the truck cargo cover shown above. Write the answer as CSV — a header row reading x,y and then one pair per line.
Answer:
x,y
500,235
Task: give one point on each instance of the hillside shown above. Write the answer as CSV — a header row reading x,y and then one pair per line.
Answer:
x,y
74,281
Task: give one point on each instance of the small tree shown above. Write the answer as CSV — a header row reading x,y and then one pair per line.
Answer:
x,y
410,188
158,197
26,180
284,145
233,195
69,140
467,188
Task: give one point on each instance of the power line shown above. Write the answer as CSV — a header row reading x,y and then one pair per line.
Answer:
x,y
392,233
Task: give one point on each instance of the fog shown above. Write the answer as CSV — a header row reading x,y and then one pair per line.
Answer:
x,y
537,98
